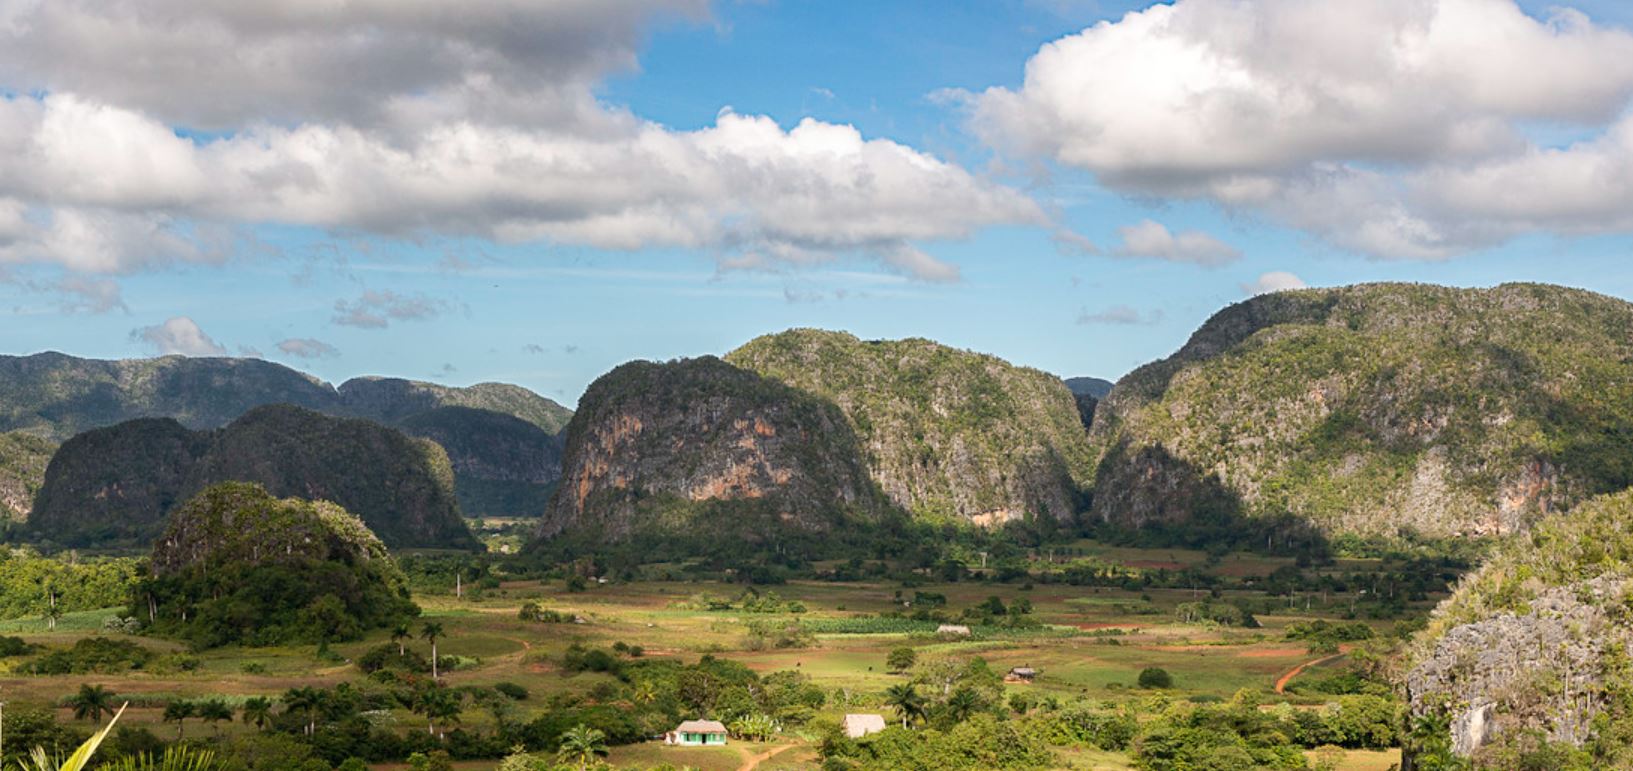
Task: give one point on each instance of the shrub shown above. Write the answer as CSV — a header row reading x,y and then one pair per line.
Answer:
x,y
1155,677
511,690
388,656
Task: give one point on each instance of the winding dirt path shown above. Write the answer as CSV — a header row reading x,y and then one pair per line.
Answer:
x,y
1281,683
749,764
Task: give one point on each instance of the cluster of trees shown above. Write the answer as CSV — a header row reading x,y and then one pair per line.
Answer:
x,y
240,566
1158,734
48,587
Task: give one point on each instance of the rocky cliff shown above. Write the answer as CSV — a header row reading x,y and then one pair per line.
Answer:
x,y
55,396
119,484
702,449
948,435
1378,409
23,458
1531,650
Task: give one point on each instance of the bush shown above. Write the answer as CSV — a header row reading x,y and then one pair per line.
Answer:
x,y
1155,677
99,655
14,646
511,690
388,656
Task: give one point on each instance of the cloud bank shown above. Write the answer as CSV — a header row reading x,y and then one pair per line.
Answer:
x,y
151,132
1394,128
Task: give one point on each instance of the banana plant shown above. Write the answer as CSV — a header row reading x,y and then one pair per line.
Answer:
x,y
80,760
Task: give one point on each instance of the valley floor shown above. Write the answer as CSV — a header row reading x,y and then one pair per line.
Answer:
x,y
1093,644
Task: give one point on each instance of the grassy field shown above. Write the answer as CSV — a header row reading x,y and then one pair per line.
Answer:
x,y
1094,644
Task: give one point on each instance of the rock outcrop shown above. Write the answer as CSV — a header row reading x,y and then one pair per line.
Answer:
x,y
1377,410
948,435
1533,646
23,458
119,484
701,449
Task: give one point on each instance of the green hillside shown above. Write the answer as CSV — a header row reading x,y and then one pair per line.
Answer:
x,y
118,485
948,435
1378,410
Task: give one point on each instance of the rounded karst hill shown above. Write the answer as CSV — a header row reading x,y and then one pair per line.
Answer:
x,y
1377,410
236,564
706,452
949,435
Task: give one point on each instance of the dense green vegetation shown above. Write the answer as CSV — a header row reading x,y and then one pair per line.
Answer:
x,y
237,565
948,435
1378,409
115,486
503,466
35,586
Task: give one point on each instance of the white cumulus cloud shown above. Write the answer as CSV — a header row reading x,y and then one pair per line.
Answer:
x,y
1153,240
1396,128
178,335
1274,281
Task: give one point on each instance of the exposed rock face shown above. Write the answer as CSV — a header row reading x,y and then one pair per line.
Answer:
x,y
1376,409
661,447
120,483
1534,643
55,396
23,458
949,435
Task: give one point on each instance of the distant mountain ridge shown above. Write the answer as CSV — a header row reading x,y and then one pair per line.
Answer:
x,y
1089,386
56,396
117,485
1378,409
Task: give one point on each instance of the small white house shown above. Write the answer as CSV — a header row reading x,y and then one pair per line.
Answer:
x,y
953,630
697,733
858,726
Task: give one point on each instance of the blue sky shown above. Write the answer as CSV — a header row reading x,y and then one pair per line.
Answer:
x,y
453,302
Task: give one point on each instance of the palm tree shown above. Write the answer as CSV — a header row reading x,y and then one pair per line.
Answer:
x,y
582,745
92,702
645,692
400,633
214,711
430,632
907,701
964,702
304,701
52,613
177,712
257,711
